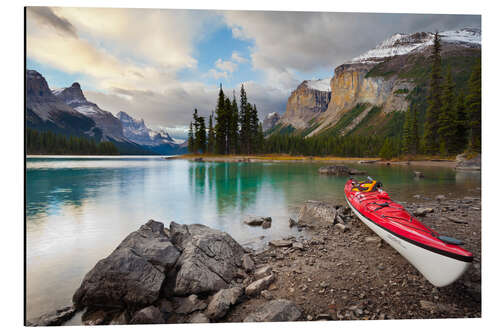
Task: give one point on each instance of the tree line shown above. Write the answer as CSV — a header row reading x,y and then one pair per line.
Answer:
x,y
232,129
49,143
453,118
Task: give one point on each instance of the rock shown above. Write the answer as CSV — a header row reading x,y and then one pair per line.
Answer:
x,y
292,223
262,272
148,315
422,211
266,294
281,243
455,219
256,287
247,263
187,305
209,261
463,163
324,316
198,318
276,310
54,318
257,220
222,302
198,159
165,306
317,213
373,239
440,197
133,274
298,246
418,174
266,224
417,196
339,170
93,317
120,319
342,227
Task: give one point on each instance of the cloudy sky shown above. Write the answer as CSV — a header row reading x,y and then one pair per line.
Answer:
x,y
160,64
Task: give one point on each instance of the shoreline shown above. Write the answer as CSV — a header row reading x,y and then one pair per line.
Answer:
x,y
276,158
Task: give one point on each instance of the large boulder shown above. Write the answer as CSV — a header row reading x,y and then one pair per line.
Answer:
x,y
317,213
133,274
276,310
210,259
468,163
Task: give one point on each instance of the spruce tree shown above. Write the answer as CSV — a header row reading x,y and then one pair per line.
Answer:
x,y
220,124
254,129
431,145
233,127
473,105
190,138
462,133
211,136
447,130
201,135
244,122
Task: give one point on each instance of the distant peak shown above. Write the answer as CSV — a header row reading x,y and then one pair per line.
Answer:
x,y
76,85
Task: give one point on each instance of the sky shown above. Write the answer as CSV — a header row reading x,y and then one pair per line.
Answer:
x,y
160,64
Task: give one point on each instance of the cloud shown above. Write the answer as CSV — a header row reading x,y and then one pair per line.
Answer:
x,y
213,73
226,65
289,42
238,58
46,16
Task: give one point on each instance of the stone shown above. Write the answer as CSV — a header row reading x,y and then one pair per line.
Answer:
x,y
342,227
418,174
209,261
187,305
298,246
198,318
455,219
222,301
54,318
274,311
266,294
257,220
422,211
165,306
133,274
95,316
292,223
247,263
317,213
372,239
281,243
148,315
120,319
257,286
266,224
263,272
339,170
440,197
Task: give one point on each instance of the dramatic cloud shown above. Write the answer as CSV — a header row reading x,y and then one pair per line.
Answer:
x,y
287,42
45,15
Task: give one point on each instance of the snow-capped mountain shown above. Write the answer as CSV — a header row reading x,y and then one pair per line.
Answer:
x,y
137,131
110,126
270,121
399,43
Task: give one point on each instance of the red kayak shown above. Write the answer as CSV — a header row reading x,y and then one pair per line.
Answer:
x,y
439,258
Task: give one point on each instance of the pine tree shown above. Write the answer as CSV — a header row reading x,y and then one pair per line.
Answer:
x,y
221,124
191,138
211,136
233,127
244,122
431,122
473,105
462,133
254,129
447,121
201,135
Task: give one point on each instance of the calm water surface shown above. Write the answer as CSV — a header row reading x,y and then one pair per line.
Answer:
x,y
79,209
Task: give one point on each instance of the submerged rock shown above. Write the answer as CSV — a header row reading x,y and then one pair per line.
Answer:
x,y
133,274
258,220
54,318
339,170
276,310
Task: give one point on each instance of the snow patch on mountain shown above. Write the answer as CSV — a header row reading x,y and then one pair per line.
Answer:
x,y
399,44
321,84
137,131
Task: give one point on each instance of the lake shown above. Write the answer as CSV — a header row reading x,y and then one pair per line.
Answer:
x,y
78,209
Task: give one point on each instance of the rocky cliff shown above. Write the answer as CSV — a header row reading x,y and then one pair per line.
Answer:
x,y
270,121
383,77
307,102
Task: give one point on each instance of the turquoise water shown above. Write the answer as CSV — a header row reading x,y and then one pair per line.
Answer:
x,y
79,209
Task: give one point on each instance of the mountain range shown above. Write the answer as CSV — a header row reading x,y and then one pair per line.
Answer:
x,y
370,93
67,111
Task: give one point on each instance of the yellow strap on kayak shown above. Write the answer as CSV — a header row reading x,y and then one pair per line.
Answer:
x,y
365,187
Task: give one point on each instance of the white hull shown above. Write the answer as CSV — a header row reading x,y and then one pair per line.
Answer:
x,y
438,269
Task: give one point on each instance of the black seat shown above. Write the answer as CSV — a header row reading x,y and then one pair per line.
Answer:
x,y
450,240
